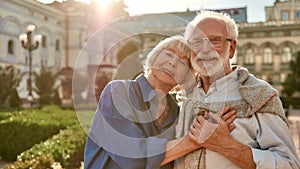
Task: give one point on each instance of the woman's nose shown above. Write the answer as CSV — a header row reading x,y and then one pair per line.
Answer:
x,y
173,62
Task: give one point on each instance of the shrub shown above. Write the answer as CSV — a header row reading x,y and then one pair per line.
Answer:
x,y
17,137
67,147
45,161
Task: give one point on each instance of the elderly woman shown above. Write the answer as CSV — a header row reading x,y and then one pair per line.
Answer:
x,y
134,125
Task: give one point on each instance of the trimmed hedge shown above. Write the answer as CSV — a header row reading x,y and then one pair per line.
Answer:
x,y
17,137
67,147
21,129
42,162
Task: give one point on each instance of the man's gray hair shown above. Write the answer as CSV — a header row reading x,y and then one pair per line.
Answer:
x,y
231,26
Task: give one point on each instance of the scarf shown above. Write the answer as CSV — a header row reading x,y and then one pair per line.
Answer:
x,y
257,97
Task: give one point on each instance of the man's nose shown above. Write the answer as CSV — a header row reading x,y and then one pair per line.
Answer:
x,y
206,47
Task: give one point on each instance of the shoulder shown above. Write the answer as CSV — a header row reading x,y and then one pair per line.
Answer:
x,y
115,90
247,79
117,86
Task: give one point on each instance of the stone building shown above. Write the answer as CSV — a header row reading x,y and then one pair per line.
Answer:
x,y
80,38
266,48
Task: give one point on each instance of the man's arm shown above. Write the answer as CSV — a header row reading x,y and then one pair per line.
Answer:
x,y
277,148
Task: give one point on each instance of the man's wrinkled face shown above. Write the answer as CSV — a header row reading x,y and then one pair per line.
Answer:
x,y
210,43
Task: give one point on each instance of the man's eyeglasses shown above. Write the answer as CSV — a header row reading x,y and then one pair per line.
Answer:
x,y
216,40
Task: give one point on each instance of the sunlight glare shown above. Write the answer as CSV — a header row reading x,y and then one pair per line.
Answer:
x,y
84,1
49,1
103,3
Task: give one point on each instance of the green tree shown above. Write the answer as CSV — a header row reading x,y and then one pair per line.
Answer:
x,y
56,99
14,99
45,85
292,82
10,79
127,48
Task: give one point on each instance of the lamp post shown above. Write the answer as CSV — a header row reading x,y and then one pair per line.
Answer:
x,y
30,44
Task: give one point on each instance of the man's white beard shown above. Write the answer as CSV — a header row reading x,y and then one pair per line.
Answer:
x,y
210,68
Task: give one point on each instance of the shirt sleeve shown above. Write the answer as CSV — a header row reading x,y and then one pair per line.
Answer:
x,y
123,138
277,149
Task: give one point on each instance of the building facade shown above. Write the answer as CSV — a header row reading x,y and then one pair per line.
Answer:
x,y
61,41
78,38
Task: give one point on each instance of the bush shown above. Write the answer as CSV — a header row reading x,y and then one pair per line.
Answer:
x,y
42,162
67,147
17,137
20,130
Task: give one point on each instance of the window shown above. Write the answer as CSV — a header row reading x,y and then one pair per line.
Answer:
x,y
57,45
298,14
249,57
282,77
44,41
286,54
26,60
264,77
285,15
267,56
10,47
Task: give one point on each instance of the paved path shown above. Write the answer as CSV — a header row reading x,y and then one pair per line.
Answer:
x,y
294,119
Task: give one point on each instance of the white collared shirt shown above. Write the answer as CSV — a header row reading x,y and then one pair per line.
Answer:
x,y
267,134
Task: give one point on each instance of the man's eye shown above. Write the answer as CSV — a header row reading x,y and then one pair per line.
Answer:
x,y
215,39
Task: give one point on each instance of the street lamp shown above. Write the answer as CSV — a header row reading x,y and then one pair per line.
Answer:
x,y
30,44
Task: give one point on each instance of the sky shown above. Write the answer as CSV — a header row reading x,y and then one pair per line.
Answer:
x,y
255,8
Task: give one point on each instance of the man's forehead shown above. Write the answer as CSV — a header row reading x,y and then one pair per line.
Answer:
x,y
210,22
209,26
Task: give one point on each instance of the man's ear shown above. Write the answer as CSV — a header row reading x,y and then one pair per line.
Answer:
x,y
232,48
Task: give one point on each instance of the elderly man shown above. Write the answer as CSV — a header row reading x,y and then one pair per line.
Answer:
x,y
262,138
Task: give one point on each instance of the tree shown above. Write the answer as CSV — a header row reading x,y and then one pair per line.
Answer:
x,y
292,82
45,85
101,81
14,99
56,99
127,48
10,79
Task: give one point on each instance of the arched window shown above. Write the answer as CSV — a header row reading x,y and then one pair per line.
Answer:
x,y
286,55
57,45
282,77
10,47
249,56
267,56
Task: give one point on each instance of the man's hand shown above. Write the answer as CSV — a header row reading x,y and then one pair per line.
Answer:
x,y
214,134
210,128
